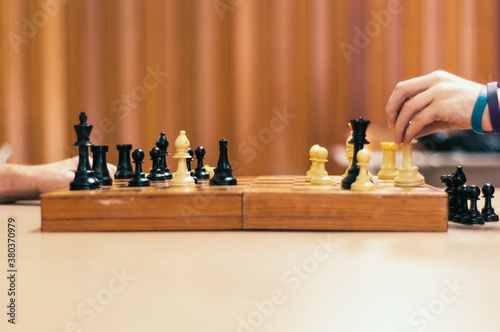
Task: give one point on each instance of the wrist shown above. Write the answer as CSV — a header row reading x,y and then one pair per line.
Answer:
x,y
31,186
17,182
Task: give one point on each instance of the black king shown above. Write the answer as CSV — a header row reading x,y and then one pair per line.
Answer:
x,y
84,176
358,139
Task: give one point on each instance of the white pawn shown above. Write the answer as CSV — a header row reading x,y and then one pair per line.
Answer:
x,y
363,180
321,175
408,175
210,171
389,169
349,153
181,177
314,164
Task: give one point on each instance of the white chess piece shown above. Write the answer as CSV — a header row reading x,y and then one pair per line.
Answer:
x,y
181,177
388,169
210,170
321,176
363,180
314,164
408,175
349,153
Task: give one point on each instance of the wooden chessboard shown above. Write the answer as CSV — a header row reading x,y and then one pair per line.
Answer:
x,y
266,202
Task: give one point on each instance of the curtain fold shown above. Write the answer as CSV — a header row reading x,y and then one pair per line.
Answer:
x,y
272,77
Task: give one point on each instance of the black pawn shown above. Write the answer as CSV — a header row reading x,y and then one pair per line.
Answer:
x,y
488,213
458,179
223,172
139,178
84,176
473,217
461,200
188,165
100,165
124,169
359,127
200,172
162,143
446,179
156,174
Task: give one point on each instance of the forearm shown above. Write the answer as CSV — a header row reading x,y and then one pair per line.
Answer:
x,y
17,182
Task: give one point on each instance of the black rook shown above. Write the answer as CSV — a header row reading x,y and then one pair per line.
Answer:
x,y
124,168
100,165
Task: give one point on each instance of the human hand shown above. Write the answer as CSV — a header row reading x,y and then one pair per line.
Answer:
x,y
57,175
434,102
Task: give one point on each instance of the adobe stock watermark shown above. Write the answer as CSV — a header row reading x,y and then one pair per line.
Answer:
x,y
129,101
123,106
292,278
92,306
250,147
423,316
363,37
223,6
198,203
40,18
247,148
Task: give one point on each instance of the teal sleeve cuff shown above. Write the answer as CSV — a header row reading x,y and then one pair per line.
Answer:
x,y
477,113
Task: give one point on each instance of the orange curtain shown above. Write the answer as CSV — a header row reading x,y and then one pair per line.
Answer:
x,y
272,76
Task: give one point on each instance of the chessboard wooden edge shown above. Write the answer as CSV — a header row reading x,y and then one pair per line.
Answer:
x,y
144,224
197,208
254,210
370,211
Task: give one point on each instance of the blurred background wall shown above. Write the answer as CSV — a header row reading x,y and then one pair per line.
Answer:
x,y
272,76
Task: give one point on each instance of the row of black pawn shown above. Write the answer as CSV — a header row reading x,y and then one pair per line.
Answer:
x,y
159,170
459,196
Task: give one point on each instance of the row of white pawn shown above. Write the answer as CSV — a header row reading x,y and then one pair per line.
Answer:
x,y
405,176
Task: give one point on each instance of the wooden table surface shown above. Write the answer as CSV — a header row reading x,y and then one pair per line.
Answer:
x,y
250,280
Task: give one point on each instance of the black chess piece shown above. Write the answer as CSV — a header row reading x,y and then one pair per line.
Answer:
x,y
162,143
473,217
488,213
446,179
461,208
100,165
84,176
139,178
156,174
359,127
124,169
458,179
200,172
223,172
188,165
457,201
